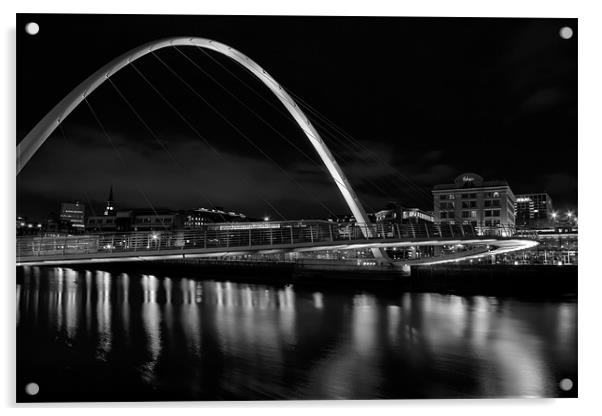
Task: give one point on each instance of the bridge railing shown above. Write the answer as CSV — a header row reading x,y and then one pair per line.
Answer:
x,y
240,235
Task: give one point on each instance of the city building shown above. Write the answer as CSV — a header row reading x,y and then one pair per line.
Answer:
x,y
416,215
159,219
102,223
136,220
396,213
201,216
349,218
557,246
110,207
564,221
534,210
107,222
72,217
52,225
156,220
27,227
472,200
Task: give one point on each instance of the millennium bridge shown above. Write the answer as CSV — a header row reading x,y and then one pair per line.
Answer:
x,y
232,240
229,240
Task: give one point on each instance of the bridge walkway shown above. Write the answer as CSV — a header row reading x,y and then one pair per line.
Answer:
x,y
222,239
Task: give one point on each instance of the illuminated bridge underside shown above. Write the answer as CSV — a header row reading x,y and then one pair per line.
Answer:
x,y
38,135
484,247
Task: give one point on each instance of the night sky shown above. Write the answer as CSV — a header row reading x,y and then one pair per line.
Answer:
x,y
429,98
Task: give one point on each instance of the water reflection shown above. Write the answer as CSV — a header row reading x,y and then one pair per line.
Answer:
x,y
103,314
186,338
151,321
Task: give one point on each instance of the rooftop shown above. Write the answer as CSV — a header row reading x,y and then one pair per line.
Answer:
x,y
469,181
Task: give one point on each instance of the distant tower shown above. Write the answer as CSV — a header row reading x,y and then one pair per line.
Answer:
x,y
110,208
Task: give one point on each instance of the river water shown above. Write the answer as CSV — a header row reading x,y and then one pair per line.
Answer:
x,y
91,335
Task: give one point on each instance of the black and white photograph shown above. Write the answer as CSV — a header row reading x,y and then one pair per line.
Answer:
x,y
242,207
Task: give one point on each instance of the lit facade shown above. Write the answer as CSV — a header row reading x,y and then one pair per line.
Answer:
x,y
136,220
157,220
472,200
395,213
201,216
26,227
534,210
72,216
558,247
101,223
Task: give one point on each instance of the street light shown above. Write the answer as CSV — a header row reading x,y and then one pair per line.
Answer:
x,y
569,214
266,218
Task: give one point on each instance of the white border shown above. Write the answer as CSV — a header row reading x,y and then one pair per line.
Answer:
x,y
590,135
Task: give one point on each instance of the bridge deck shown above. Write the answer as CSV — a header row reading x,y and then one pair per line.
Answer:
x,y
226,239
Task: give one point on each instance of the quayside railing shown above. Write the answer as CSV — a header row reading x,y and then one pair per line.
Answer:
x,y
246,235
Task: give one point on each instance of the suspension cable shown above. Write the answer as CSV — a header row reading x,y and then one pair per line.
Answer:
x,y
356,142
330,134
86,195
159,141
321,166
280,111
249,140
196,132
120,155
314,162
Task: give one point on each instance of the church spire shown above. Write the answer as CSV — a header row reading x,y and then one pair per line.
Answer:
x,y
110,208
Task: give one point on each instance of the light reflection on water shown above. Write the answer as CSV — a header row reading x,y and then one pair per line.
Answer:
x,y
149,337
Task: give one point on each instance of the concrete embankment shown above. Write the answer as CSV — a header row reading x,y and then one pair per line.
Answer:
x,y
494,280
498,280
260,271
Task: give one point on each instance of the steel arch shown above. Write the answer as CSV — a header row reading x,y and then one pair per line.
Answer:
x,y
38,135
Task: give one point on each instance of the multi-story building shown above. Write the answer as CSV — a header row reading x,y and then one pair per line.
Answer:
x,y
533,210
349,218
558,246
201,216
472,200
72,217
26,227
102,223
157,220
136,220
396,213
416,215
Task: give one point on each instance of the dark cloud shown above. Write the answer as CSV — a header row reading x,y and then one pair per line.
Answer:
x,y
426,98
543,100
188,174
